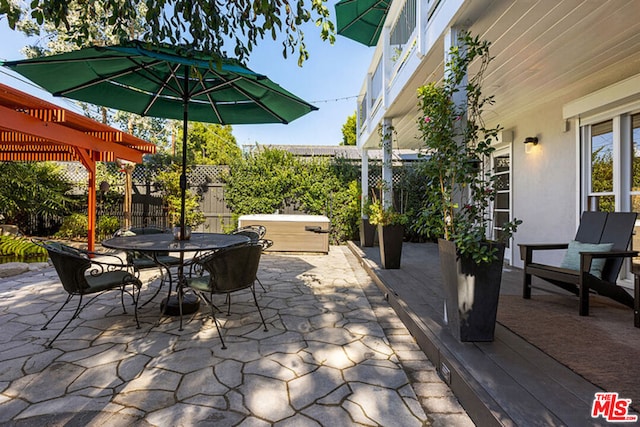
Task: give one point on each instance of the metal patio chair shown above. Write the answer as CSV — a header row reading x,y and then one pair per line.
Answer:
x,y
144,261
82,274
227,271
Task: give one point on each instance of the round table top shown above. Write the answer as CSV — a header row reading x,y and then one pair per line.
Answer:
x,y
164,242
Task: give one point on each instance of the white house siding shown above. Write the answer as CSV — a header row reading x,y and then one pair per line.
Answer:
x,y
543,181
547,56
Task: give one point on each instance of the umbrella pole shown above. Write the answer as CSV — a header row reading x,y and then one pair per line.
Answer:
x,y
183,177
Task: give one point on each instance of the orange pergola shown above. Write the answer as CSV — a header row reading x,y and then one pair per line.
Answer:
x,y
33,130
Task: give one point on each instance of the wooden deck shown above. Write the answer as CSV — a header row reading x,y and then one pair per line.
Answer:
x,y
507,382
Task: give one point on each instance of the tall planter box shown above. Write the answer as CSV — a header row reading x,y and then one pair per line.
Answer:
x,y
390,238
471,293
367,233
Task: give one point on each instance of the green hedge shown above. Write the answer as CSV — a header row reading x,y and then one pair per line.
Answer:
x,y
269,180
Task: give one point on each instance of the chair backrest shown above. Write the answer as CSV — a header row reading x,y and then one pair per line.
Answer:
x,y
70,265
591,227
232,269
151,229
253,235
260,229
618,230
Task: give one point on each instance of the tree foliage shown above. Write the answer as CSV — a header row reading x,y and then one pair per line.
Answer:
x,y
230,28
349,131
457,142
168,182
32,188
210,144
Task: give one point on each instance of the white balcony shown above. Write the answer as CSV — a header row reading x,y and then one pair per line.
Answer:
x,y
545,53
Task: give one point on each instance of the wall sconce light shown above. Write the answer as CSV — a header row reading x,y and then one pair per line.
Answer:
x,y
529,143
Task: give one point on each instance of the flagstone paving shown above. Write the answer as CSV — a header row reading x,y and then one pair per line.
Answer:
x,y
335,354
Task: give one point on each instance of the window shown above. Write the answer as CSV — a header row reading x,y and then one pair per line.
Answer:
x,y
501,207
611,164
601,194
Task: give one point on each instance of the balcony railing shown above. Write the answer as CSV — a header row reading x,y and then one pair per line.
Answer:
x,y
404,26
376,84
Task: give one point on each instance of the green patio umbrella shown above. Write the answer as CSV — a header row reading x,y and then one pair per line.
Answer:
x,y
361,20
165,81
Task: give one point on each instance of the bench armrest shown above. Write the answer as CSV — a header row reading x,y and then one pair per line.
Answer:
x,y
526,249
587,257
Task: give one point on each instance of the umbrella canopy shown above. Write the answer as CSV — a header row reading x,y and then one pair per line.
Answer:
x,y
168,82
361,20
159,81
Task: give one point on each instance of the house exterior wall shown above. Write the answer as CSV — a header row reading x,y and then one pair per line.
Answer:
x,y
544,183
551,64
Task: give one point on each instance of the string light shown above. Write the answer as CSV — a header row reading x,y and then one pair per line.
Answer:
x,y
321,101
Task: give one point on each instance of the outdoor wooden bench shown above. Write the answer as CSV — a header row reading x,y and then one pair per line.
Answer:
x,y
592,263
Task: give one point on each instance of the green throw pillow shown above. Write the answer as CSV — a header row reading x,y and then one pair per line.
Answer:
x,y
571,259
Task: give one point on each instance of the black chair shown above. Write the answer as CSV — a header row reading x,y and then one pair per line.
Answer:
x,y
599,249
256,233
81,274
226,271
144,260
252,231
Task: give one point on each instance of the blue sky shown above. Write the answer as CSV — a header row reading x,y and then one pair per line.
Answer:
x,y
331,74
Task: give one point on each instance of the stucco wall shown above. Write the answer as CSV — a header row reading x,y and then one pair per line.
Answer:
x,y
544,181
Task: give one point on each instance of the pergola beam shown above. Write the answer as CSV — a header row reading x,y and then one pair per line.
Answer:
x,y
58,134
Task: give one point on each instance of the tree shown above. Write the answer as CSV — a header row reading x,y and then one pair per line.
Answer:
x,y
211,144
349,131
206,25
168,182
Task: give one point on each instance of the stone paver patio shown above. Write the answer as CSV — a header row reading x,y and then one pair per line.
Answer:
x,y
335,355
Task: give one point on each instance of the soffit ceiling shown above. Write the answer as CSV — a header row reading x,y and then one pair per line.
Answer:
x,y
545,53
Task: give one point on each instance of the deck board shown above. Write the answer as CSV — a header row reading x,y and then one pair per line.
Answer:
x,y
505,382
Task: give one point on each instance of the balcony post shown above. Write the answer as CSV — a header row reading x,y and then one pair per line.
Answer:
x,y
364,178
387,171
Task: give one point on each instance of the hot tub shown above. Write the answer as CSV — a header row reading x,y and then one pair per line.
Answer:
x,y
292,233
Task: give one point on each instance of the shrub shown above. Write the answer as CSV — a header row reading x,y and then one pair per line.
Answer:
x,y
106,226
73,226
270,180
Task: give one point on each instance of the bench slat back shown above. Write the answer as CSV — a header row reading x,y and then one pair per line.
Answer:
x,y
617,230
591,227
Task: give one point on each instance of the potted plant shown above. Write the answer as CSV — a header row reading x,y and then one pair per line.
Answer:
x,y
390,224
367,229
457,144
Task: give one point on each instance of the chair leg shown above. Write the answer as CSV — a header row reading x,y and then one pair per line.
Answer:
x,y
75,314
162,280
636,301
261,285
180,290
57,312
253,292
136,298
583,295
215,321
526,286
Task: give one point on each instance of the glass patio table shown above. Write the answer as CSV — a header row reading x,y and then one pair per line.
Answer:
x,y
165,242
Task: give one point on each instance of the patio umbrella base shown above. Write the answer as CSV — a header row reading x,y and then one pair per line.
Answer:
x,y
171,307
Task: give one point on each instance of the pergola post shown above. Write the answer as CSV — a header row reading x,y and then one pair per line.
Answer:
x,y
128,188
